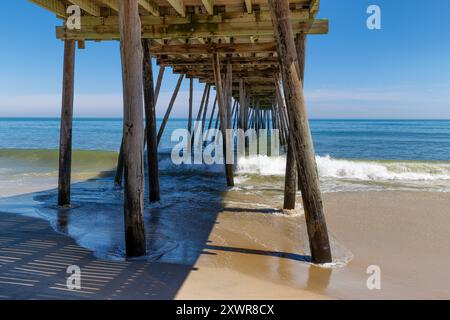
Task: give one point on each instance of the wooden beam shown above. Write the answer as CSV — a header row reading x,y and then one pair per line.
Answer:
x,y
65,144
314,7
236,61
301,133
108,30
179,7
169,108
150,6
150,124
249,6
133,133
209,48
242,102
54,6
113,4
88,6
222,116
209,6
191,104
162,69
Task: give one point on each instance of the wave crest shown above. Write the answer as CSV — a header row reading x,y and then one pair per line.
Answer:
x,y
329,167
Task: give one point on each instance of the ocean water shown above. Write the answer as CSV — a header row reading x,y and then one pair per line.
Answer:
x,y
352,155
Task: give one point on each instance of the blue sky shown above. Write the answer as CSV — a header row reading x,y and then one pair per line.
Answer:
x,y
401,71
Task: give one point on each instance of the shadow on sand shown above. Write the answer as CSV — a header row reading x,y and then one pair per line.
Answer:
x,y
35,255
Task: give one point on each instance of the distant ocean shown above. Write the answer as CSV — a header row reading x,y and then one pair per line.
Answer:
x,y
352,155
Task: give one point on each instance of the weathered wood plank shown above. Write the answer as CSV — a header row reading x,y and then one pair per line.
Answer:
x,y
169,109
88,6
222,116
132,57
150,124
189,31
300,133
54,6
178,5
65,144
209,6
150,6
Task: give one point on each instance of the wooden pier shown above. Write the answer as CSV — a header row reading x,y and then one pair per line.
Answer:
x,y
252,52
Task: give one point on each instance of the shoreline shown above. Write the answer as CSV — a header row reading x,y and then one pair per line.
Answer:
x,y
255,255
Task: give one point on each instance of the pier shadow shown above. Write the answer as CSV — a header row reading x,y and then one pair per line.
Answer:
x,y
277,254
39,241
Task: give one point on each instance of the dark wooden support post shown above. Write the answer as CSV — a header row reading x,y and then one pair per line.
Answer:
x,y
229,94
300,132
65,142
162,69
199,116
150,124
242,102
170,107
212,114
119,170
132,56
205,109
222,116
191,104
300,42
290,180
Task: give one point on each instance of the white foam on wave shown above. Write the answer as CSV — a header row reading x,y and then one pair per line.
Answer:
x,y
352,169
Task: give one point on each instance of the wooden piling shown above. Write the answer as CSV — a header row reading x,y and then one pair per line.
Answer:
x,y
65,142
119,170
229,94
132,57
150,124
242,102
199,116
169,108
222,116
300,42
191,104
301,134
162,69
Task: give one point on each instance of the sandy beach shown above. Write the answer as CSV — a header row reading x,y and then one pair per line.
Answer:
x,y
252,254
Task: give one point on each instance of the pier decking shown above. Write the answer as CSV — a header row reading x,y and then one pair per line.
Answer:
x,y
252,51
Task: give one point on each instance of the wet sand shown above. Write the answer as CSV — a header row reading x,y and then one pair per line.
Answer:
x,y
253,254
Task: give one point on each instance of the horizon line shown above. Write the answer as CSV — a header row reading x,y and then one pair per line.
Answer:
x,y
185,118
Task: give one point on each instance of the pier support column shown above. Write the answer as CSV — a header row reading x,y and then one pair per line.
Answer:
x,y
300,43
150,124
133,142
191,104
169,108
119,169
243,107
65,144
222,116
300,132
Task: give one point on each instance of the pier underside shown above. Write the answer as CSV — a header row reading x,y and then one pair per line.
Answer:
x,y
252,52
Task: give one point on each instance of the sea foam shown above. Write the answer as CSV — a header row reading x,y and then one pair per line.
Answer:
x,y
329,167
